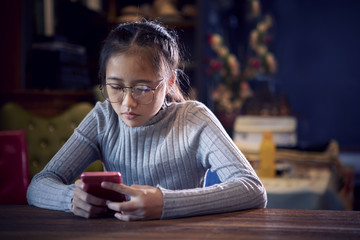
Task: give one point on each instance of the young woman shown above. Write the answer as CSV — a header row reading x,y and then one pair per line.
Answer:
x,y
161,143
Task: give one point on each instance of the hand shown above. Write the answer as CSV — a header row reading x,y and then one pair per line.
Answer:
x,y
145,203
86,205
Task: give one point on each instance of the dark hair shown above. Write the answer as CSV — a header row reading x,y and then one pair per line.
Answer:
x,y
152,40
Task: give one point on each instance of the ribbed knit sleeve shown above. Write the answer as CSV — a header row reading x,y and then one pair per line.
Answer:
x,y
52,188
210,144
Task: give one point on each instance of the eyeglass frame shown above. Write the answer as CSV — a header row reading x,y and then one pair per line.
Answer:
x,y
103,86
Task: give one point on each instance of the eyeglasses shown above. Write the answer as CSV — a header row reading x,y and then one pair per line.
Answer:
x,y
142,94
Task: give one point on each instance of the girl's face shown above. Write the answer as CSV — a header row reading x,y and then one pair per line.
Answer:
x,y
129,71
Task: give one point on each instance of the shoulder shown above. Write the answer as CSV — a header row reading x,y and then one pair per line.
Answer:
x,y
103,114
199,110
194,112
103,109
189,106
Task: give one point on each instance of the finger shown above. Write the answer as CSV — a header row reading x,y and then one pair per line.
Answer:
x,y
129,206
84,209
91,199
83,204
121,188
80,212
88,214
79,183
127,218
85,214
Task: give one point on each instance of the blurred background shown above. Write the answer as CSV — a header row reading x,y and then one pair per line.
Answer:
x,y
286,66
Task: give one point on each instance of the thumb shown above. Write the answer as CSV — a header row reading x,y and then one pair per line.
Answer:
x,y
121,188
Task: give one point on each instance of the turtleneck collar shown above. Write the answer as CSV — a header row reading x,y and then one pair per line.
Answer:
x,y
160,115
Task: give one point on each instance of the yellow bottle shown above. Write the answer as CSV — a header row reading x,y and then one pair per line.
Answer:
x,y
267,156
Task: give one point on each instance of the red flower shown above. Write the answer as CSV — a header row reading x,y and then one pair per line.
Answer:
x,y
255,63
216,65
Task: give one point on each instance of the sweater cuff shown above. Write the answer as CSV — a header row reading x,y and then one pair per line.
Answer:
x,y
67,199
168,202
177,203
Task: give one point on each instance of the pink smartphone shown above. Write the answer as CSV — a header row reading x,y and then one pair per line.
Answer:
x,y
92,184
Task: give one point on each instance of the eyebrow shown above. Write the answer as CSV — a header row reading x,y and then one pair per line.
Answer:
x,y
136,81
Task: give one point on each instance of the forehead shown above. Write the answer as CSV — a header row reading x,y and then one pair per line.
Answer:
x,y
131,66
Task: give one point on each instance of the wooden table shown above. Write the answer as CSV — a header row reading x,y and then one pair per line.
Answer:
x,y
25,222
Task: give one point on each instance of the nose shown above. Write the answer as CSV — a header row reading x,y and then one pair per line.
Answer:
x,y
128,99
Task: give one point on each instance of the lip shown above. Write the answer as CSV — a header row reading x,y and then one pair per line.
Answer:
x,y
130,115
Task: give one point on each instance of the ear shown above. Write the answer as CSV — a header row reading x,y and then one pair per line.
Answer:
x,y
172,81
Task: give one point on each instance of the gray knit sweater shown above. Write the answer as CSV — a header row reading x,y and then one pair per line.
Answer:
x,y
172,151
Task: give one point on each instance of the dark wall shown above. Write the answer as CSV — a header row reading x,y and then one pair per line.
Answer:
x,y
317,44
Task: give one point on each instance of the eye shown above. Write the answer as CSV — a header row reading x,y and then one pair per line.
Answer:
x,y
115,87
142,89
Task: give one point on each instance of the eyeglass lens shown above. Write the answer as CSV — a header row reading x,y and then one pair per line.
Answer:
x,y
142,94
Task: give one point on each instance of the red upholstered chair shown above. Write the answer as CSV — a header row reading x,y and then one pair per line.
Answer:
x,y
14,170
